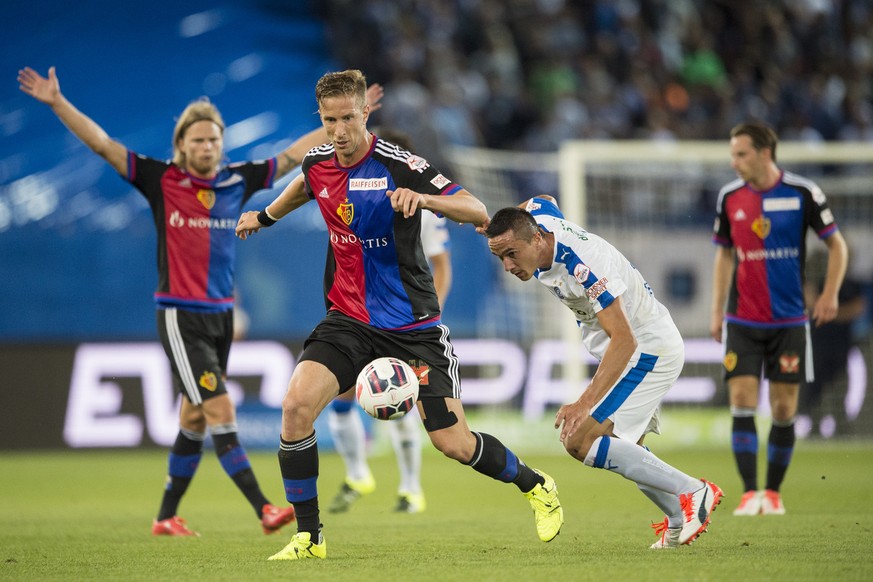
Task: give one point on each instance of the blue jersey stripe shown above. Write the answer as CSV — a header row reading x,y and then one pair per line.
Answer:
x,y
568,257
783,244
625,386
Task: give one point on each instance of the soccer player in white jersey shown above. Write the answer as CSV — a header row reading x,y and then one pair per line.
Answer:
x,y
640,351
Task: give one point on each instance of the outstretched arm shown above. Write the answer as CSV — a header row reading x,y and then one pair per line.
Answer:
x,y
481,229
48,91
292,197
460,207
292,156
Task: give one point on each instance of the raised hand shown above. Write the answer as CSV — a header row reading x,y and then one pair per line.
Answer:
x,y
374,96
46,90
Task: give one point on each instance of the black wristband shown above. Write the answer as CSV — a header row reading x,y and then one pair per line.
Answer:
x,y
264,219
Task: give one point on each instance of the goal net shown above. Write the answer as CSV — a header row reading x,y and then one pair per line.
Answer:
x,y
655,201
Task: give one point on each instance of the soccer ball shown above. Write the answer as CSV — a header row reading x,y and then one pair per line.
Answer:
x,y
387,388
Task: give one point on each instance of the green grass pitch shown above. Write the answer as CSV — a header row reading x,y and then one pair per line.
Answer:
x,y
86,516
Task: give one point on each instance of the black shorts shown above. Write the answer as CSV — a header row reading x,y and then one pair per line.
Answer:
x,y
345,345
781,352
198,345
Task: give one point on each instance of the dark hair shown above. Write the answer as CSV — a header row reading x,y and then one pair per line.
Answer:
x,y
762,136
513,218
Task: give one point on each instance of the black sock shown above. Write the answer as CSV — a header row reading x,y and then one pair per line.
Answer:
x,y
492,458
184,458
236,464
780,447
298,463
745,446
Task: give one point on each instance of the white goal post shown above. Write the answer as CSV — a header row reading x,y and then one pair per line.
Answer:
x,y
576,158
655,201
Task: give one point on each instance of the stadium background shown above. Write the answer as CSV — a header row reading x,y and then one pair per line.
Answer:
x,y
78,248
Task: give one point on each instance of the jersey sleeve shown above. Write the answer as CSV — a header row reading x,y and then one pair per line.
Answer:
x,y
256,175
416,173
721,229
600,283
309,160
145,174
539,206
819,215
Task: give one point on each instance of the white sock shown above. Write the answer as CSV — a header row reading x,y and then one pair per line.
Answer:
x,y
347,431
668,503
406,438
639,465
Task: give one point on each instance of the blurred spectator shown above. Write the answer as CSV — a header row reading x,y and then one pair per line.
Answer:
x,y
528,74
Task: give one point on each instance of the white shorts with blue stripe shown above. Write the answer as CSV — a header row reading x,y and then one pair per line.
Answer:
x,y
633,403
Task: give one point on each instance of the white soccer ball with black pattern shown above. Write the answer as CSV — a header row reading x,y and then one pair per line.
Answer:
x,y
387,388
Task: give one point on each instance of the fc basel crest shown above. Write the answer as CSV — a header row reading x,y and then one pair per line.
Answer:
x,y
206,198
761,227
208,381
730,361
346,211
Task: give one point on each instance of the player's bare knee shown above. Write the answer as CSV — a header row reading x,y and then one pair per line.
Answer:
x,y
577,446
298,411
576,452
783,411
195,425
743,392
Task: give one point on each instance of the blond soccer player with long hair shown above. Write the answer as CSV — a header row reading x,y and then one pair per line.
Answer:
x,y
195,200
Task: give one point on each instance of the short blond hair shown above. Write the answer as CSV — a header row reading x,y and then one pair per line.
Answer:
x,y
201,110
349,83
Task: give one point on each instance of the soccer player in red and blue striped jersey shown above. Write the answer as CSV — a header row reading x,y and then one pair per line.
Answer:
x,y
760,230
381,302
